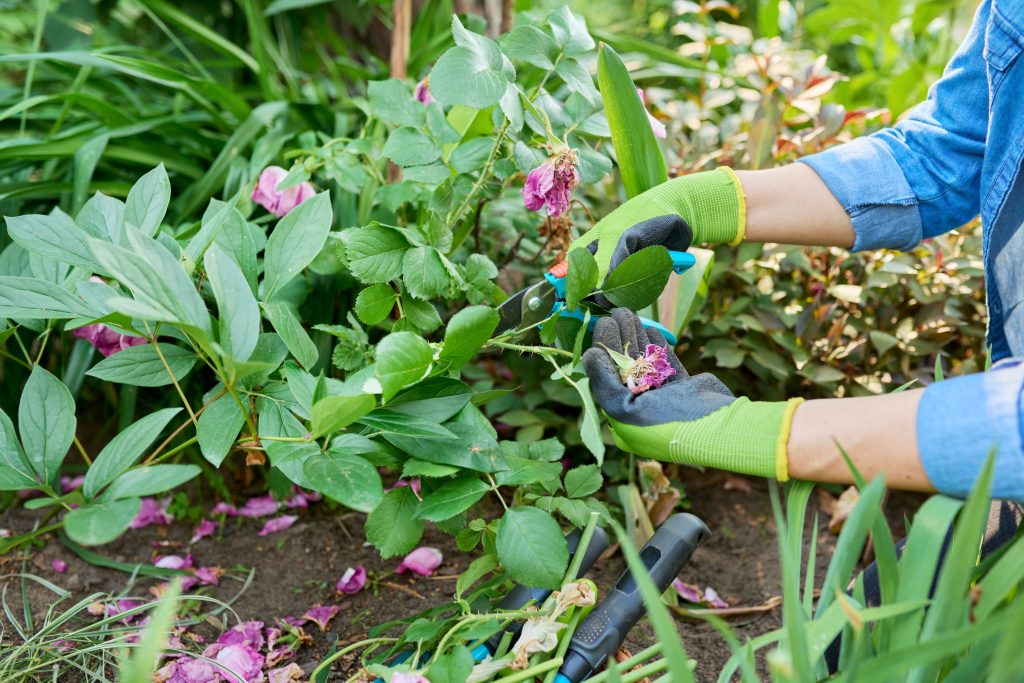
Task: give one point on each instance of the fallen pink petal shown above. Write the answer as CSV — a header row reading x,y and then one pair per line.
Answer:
x,y
261,506
59,566
693,594
188,670
152,512
209,576
414,484
68,484
657,127
206,527
279,202
322,615
173,562
244,663
400,677
353,580
245,633
226,509
423,561
551,183
277,524
287,674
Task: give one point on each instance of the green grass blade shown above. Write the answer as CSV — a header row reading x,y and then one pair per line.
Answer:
x,y
793,656
139,666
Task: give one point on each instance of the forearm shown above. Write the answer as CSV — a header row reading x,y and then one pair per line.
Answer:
x,y
792,205
877,432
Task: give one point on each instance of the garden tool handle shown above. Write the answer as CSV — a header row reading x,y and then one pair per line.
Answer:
x,y
601,634
682,261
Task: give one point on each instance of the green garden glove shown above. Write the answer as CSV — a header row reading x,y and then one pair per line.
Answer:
x,y
693,420
710,202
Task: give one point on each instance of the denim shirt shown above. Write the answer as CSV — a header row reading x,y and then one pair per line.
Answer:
x,y
956,155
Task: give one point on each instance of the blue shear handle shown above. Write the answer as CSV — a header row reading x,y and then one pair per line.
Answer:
x,y
648,324
682,261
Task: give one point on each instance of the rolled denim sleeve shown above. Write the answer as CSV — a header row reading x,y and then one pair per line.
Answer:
x,y
921,177
961,421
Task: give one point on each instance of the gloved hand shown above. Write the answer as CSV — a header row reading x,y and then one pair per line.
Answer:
x,y
710,203
693,420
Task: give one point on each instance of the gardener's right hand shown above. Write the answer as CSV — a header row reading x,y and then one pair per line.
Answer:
x,y
710,206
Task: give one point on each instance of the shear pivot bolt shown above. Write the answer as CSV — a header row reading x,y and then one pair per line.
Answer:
x,y
534,303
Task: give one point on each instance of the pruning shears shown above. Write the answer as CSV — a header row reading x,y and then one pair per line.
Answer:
x,y
546,298
601,633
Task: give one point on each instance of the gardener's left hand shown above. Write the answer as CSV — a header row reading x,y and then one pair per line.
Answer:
x,y
688,419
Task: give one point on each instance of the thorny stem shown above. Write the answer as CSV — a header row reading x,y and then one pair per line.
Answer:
x,y
546,351
485,174
524,614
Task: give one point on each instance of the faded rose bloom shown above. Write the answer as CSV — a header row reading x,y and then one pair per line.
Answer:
x,y
322,615
401,677
280,202
352,581
277,524
206,528
152,512
286,674
422,92
423,561
649,371
60,566
107,340
656,126
551,183
261,506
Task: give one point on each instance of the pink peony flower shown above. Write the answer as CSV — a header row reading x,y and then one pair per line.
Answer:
x,y
551,182
353,580
400,677
60,566
423,561
286,674
206,528
656,126
649,371
261,506
152,512
277,524
422,92
107,340
322,615
280,202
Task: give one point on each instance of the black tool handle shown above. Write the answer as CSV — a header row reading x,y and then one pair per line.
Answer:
x,y
522,595
601,634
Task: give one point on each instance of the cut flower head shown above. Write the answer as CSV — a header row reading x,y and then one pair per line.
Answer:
x,y
648,371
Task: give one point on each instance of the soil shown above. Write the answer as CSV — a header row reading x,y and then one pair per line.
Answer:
x,y
296,569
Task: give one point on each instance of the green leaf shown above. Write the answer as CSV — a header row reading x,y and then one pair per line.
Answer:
x,y
473,73
237,307
346,478
375,253
392,527
422,315
531,45
30,298
15,471
287,324
526,471
581,278
278,6
408,146
46,422
531,547
582,481
424,274
640,279
141,366
55,236
570,31
468,330
337,412
100,523
101,217
219,426
393,101
125,449
374,304
455,496
402,359
149,481
576,77
295,242
436,399
472,155
640,160
394,422
421,468
474,446
452,667
217,214
147,201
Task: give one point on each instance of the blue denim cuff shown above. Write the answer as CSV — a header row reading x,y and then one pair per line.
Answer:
x,y
961,421
864,176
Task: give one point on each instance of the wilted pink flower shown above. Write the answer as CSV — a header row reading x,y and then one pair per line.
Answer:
x,y
226,509
280,202
423,561
174,562
322,615
209,576
107,340
277,524
422,92
261,506
206,528
353,580
551,182
245,633
188,670
68,484
400,677
649,371
152,512
656,126
60,566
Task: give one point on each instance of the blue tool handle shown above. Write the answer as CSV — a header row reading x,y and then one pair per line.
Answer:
x,y
601,633
682,261
646,322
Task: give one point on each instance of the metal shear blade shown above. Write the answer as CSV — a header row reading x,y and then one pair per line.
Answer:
x,y
527,306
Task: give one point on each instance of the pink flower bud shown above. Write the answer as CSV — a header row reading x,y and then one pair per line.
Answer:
x,y
279,202
422,92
